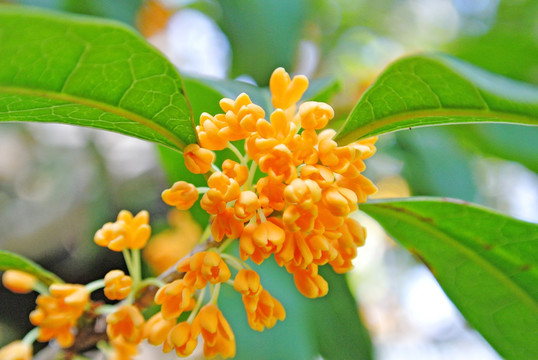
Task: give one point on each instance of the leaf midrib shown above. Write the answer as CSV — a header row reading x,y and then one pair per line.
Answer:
x,y
461,248
366,129
98,105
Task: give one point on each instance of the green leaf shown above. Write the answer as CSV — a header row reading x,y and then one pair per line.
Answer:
x,y
122,10
427,90
504,49
486,263
11,261
205,94
435,164
263,34
89,72
336,324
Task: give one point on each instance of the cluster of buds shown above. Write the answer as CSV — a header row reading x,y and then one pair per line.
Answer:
x,y
289,195
298,210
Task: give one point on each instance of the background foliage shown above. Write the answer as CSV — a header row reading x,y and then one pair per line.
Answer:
x,y
353,40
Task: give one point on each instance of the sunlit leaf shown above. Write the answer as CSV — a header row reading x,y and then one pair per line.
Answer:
x,y
11,261
89,72
486,262
427,90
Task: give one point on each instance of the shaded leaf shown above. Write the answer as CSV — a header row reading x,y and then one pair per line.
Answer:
x,y
338,329
506,48
11,261
486,263
427,90
263,34
88,72
435,164
328,326
321,89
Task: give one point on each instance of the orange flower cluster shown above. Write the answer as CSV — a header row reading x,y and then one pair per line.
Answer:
x,y
126,327
56,314
127,232
125,330
262,309
298,212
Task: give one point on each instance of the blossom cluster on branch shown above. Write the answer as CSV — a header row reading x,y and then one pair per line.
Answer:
x,y
289,195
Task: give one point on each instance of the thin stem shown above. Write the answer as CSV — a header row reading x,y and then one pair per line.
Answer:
x,y
237,153
202,189
215,168
137,268
128,261
41,288
105,309
31,336
215,295
224,245
261,215
236,263
95,285
199,302
251,173
152,281
205,235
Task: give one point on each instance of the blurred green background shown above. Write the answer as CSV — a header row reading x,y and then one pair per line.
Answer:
x,y
59,184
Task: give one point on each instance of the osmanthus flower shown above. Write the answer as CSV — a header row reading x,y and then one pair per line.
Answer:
x,y
310,283
262,309
18,282
204,267
57,314
218,336
16,350
127,232
267,312
259,240
235,171
182,338
126,324
175,298
122,350
198,160
182,195
157,328
117,285
297,210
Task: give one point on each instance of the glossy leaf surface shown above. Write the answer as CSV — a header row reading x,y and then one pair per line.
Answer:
x,y
486,263
426,90
89,72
